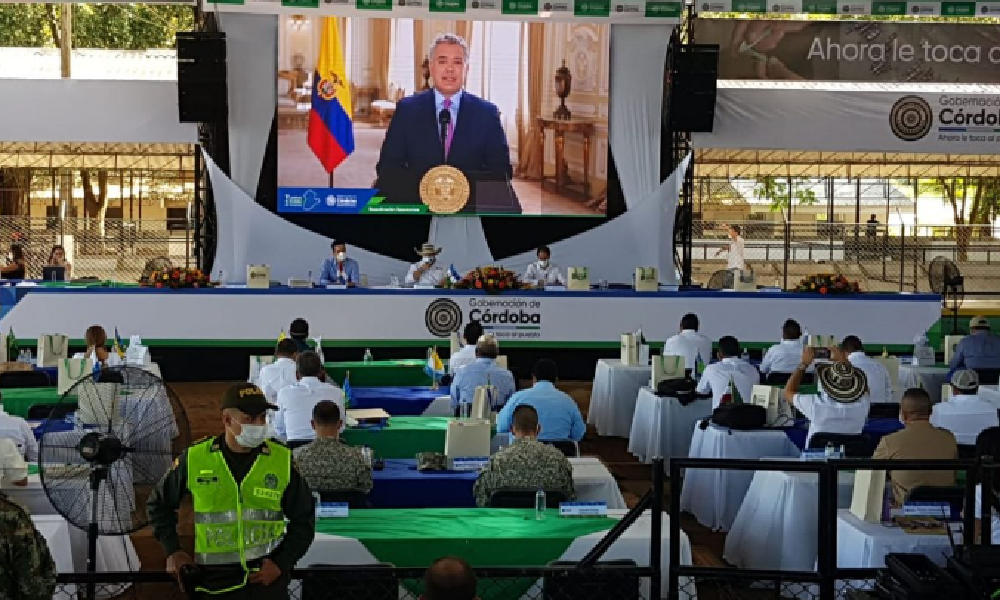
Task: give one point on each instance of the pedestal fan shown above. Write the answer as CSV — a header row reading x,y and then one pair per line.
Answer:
x,y
99,464
946,279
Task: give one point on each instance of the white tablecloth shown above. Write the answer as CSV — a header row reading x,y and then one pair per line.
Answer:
x,y
613,396
862,545
633,544
775,527
662,426
714,496
930,378
594,483
68,546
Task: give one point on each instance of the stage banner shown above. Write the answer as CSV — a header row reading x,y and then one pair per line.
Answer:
x,y
881,8
841,119
657,12
860,51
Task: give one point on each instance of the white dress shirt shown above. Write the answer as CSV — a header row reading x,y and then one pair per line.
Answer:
x,y
12,465
432,276
295,406
879,383
689,344
783,358
18,431
465,355
829,416
717,376
736,260
549,275
113,359
275,377
966,416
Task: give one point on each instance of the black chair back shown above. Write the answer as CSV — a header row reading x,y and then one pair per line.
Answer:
x,y
608,580
24,379
568,447
355,499
967,451
883,410
357,582
953,495
988,376
38,412
524,498
782,378
855,446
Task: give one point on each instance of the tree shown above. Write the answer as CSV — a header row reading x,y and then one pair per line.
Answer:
x,y
775,191
956,192
112,26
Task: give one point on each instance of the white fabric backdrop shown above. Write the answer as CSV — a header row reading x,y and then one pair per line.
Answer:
x,y
640,237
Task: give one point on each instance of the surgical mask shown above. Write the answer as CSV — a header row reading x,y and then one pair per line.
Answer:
x,y
341,256
428,259
902,421
252,436
543,264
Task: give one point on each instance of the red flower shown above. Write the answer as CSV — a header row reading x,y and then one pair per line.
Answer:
x,y
158,284
822,290
479,285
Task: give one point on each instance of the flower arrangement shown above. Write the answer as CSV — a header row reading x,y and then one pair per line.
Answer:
x,y
829,284
177,278
492,280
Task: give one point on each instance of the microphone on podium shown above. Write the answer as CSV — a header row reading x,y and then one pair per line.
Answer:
x,y
444,118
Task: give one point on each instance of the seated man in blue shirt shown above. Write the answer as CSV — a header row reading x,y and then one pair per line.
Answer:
x,y
339,269
483,371
978,350
558,414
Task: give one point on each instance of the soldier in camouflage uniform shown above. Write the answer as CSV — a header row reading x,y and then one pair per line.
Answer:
x,y
527,463
27,571
328,464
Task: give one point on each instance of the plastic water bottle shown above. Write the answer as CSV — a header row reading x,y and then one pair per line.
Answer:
x,y
368,355
829,452
22,356
746,354
843,454
31,357
465,410
540,505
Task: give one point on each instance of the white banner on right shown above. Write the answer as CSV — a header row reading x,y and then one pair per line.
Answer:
x,y
843,117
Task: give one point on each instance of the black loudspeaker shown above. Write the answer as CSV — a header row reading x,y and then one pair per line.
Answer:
x,y
202,95
692,88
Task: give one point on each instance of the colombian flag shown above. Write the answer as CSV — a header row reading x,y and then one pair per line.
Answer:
x,y
331,131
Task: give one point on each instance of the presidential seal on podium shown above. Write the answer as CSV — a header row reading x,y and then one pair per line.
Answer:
x,y
444,189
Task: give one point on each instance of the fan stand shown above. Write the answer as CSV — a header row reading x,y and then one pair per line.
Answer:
x,y
101,451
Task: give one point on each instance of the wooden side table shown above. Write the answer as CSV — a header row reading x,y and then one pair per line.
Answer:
x,y
561,179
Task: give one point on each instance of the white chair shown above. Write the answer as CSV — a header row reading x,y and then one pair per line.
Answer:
x,y
384,109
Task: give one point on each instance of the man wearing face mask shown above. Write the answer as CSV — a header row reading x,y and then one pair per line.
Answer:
x,y
243,487
427,271
339,269
543,272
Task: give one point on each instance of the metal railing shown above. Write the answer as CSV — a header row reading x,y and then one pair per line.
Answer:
x,y
108,249
881,258
828,580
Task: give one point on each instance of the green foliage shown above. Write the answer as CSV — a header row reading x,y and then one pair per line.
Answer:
x,y
111,26
775,191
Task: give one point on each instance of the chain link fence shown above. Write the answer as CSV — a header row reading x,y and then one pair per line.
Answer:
x,y
880,258
105,249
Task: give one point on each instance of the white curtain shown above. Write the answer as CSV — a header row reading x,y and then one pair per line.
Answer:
x,y
401,59
494,68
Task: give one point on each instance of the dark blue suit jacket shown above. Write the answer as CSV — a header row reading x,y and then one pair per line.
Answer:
x,y
413,140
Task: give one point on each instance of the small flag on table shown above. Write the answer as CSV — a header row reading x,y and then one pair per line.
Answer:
x,y
11,346
119,347
347,389
453,274
699,365
434,366
732,395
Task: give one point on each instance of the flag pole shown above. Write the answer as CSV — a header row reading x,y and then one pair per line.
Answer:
x,y
331,179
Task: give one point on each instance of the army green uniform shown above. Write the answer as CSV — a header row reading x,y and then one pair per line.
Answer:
x,y
328,464
529,464
27,571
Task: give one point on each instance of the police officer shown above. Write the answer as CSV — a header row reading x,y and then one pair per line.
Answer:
x,y
243,487
26,567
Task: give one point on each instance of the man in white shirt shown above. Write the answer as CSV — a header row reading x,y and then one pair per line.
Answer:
x,y
427,271
785,356
879,382
730,368
18,431
840,406
467,354
542,272
293,422
736,244
281,373
965,414
689,343
13,469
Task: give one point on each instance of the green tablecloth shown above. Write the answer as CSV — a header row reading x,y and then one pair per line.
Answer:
x,y
17,401
408,373
402,437
413,538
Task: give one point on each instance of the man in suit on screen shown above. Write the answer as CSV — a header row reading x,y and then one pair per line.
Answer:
x,y
445,125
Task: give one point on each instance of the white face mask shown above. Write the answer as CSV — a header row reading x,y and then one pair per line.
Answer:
x,y
252,436
543,263
902,421
341,256
428,259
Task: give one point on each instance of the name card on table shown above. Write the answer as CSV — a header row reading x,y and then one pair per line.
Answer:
x,y
555,288
583,509
927,509
468,463
336,286
326,510
424,287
